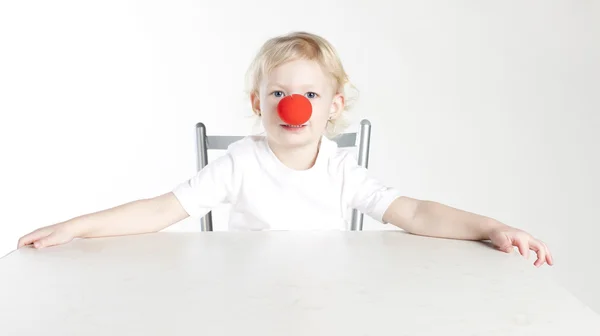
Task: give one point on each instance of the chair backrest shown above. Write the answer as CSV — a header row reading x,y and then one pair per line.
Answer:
x,y
205,142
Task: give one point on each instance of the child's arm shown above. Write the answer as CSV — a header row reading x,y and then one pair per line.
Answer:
x,y
433,219
141,216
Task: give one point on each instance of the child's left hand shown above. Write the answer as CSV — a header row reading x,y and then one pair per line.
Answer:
x,y
506,238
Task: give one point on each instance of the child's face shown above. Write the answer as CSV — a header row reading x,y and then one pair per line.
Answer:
x,y
297,77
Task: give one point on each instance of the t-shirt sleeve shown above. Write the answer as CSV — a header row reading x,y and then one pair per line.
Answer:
x,y
365,193
211,186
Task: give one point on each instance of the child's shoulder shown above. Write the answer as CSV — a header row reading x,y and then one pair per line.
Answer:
x,y
247,144
330,148
248,148
337,159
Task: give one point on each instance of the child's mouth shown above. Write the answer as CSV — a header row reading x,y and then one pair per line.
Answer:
x,y
292,127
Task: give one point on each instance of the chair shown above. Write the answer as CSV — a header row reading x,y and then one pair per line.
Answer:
x,y
206,142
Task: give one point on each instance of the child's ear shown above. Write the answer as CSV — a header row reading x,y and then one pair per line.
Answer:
x,y
255,102
337,106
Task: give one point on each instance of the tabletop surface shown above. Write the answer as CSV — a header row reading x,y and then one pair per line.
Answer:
x,y
282,283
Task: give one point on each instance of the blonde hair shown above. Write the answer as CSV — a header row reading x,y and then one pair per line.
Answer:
x,y
303,45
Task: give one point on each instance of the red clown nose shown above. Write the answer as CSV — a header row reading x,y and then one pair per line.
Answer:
x,y
294,109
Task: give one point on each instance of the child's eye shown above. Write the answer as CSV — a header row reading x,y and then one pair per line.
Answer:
x,y
278,94
311,95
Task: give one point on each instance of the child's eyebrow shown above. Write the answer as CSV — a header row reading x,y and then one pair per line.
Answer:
x,y
301,87
275,85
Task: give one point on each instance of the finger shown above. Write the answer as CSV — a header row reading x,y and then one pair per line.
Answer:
x,y
33,236
549,258
523,247
540,250
50,240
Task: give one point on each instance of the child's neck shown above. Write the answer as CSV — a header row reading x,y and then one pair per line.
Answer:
x,y
297,158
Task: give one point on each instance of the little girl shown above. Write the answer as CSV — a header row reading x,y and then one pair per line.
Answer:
x,y
294,177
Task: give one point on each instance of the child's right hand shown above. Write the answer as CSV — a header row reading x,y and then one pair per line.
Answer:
x,y
141,216
51,235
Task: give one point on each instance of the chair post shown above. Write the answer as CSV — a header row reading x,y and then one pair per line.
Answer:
x,y
201,162
365,143
363,161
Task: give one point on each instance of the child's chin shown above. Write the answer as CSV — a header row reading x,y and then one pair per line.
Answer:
x,y
294,138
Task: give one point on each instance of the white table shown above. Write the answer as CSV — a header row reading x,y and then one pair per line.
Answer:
x,y
282,283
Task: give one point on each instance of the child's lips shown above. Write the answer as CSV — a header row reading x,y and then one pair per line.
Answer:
x,y
290,125
293,127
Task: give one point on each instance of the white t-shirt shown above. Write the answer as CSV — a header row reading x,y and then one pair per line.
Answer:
x,y
267,195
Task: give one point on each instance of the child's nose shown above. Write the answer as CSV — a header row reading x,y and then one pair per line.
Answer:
x,y
294,109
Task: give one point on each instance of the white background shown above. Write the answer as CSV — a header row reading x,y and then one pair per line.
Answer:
x,y
488,106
